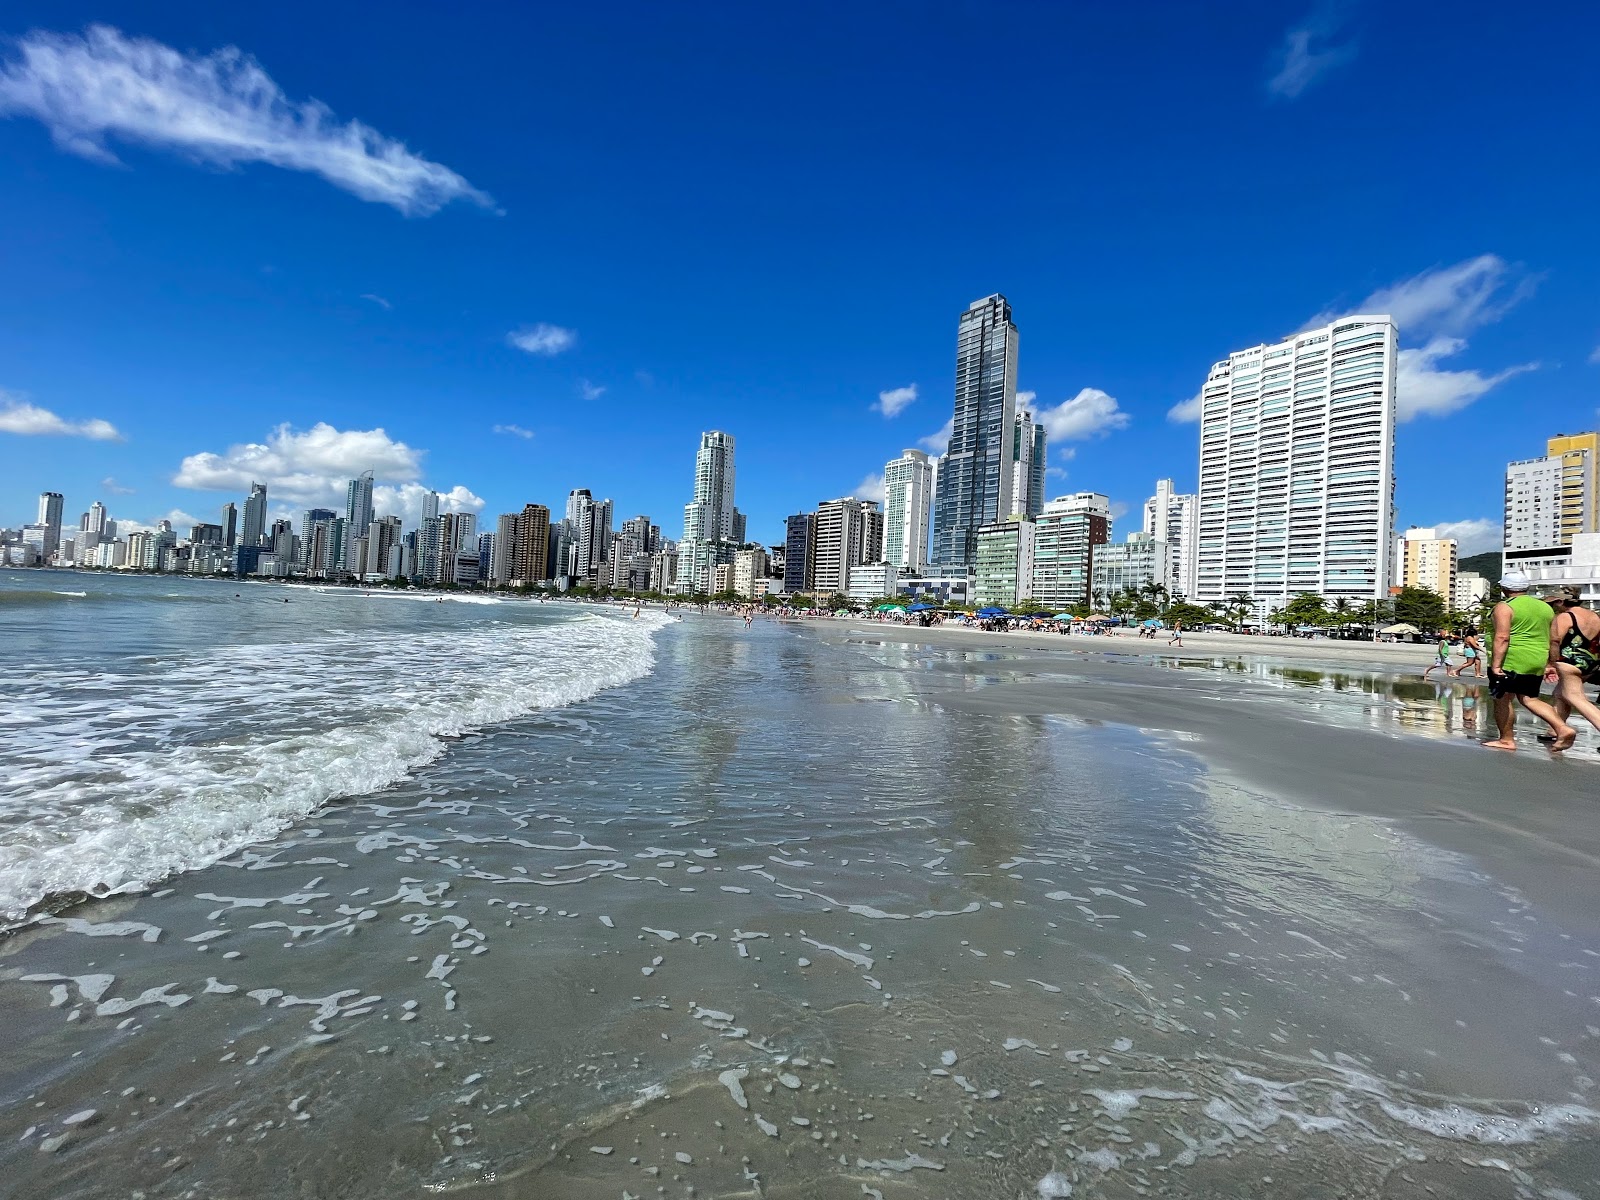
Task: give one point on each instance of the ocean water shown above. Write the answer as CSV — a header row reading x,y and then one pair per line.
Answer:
x,y
393,897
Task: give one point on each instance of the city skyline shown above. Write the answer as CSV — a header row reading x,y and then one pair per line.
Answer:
x,y
300,320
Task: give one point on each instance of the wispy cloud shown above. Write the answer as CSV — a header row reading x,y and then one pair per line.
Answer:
x,y
1185,410
870,488
1091,413
1474,536
1310,50
543,339
939,443
29,420
892,403
514,430
405,501
378,300
1423,389
1594,355
220,108
590,391
111,487
1453,300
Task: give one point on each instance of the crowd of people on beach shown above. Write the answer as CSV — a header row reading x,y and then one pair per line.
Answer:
x,y
1538,640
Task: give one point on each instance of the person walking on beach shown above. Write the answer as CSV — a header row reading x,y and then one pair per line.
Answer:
x,y
1472,652
1177,635
1443,659
1519,663
1575,654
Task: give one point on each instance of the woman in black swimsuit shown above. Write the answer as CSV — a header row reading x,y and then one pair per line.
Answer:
x,y
1575,654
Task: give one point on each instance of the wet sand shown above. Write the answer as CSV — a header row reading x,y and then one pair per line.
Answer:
x,y
826,911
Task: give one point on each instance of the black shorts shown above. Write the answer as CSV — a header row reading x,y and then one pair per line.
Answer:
x,y
1512,684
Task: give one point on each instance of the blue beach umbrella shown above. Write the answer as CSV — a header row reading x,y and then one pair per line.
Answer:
x,y
992,612
920,608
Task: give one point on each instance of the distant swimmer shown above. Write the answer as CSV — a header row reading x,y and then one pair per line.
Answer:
x,y
1519,663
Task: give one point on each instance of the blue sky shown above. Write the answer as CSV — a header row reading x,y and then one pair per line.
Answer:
x,y
541,248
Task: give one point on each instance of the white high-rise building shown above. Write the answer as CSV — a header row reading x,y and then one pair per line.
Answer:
x,y
1173,519
254,531
1297,467
358,504
712,527
907,510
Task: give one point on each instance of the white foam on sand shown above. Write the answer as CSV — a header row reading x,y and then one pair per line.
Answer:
x,y
171,788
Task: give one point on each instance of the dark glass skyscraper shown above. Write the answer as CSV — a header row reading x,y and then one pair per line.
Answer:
x,y
975,476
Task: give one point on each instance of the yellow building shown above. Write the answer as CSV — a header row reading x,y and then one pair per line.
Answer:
x,y
1580,452
1429,561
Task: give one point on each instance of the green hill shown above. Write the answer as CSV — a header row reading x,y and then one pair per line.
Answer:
x,y
1487,565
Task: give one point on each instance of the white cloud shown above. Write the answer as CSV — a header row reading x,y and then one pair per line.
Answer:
x,y
1594,355
870,488
1119,509
219,108
1308,52
1025,398
514,430
1451,300
544,339
29,420
892,403
1473,537
1089,414
939,443
1056,472
405,501
307,467
590,391
111,487
1422,388
1185,410
378,300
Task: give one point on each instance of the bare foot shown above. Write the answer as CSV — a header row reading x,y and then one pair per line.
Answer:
x,y
1564,740
1502,744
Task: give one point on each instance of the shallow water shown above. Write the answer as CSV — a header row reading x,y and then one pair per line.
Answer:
x,y
782,919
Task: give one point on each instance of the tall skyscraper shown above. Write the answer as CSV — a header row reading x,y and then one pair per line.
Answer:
x,y
50,504
1065,535
358,504
844,534
907,510
97,518
1027,465
975,474
230,524
317,547
255,516
430,505
712,527
799,552
1173,520
532,543
1297,467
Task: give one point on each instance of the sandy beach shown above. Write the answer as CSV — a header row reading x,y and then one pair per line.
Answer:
x,y
833,909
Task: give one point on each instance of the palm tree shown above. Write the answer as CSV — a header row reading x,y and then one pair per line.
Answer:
x,y
1239,606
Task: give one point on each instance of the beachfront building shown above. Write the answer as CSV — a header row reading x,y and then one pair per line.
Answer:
x,y
871,581
1027,465
749,570
1173,518
1550,502
50,505
976,473
254,530
712,527
1428,561
1003,570
1067,535
907,510
847,533
1471,590
358,504
1136,564
799,552
1297,467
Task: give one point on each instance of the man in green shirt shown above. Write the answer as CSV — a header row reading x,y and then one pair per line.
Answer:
x,y
1520,661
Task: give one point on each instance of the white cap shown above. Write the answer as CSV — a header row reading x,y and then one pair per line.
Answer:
x,y
1515,581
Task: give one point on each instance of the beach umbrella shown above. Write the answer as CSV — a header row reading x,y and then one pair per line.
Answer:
x,y
1403,627
888,608
1097,617
920,607
1064,617
992,611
